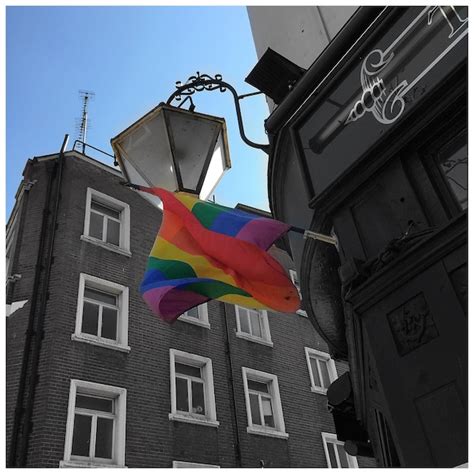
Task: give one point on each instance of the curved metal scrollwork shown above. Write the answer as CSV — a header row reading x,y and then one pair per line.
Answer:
x,y
205,82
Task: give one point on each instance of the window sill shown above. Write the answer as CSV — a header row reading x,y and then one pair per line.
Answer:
x,y
267,432
195,321
194,421
321,391
105,245
258,340
88,464
100,343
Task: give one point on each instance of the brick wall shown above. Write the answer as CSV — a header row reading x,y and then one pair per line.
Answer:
x,y
152,440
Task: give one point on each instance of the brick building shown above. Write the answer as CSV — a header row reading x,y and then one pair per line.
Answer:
x,y
93,378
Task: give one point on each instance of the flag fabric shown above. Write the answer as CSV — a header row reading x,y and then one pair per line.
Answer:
x,y
206,251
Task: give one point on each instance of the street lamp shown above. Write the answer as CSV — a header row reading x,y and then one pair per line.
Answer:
x,y
178,149
174,149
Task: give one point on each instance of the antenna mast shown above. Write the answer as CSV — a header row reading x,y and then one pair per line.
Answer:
x,y
85,96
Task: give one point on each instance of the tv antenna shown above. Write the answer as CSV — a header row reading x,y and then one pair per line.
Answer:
x,y
84,124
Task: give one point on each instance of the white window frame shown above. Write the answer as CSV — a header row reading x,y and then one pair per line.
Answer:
x,y
210,418
266,338
202,320
274,391
122,293
119,395
124,209
294,280
315,354
186,464
331,439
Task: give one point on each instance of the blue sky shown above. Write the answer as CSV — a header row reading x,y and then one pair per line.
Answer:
x,y
131,58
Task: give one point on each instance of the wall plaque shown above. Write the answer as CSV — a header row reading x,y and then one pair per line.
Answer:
x,y
412,324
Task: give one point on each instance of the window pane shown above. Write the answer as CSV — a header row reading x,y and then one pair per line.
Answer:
x,y
323,365
113,232
81,436
198,397
188,370
109,323
96,225
258,386
332,454
255,323
95,403
90,318
244,321
342,455
105,433
268,412
254,409
314,370
101,296
193,313
182,394
105,210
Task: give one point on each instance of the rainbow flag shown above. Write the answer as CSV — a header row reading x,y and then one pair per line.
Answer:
x,y
206,251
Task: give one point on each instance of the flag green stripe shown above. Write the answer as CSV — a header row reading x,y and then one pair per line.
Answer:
x,y
206,213
216,289
172,269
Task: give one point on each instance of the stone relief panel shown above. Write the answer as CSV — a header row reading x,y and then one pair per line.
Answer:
x,y
412,324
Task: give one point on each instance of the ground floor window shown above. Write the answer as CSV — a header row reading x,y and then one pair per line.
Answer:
x,y
95,430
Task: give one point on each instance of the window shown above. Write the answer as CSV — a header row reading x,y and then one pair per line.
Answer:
x,y
102,313
197,315
95,430
192,464
322,370
296,282
192,389
253,325
107,222
262,399
336,456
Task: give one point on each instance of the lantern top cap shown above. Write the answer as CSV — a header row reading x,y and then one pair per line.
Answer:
x,y
156,111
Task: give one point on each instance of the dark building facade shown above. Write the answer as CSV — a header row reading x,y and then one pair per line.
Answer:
x,y
370,145
94,379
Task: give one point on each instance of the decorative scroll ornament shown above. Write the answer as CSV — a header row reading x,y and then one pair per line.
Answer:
x,y
376,98
198,83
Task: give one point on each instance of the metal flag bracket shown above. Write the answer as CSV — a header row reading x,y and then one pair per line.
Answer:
x,y
309,234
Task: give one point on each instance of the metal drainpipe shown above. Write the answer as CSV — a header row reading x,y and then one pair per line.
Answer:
x,y
38,332
29,332
238,450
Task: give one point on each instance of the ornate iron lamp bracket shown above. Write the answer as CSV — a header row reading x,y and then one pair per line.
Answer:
x,y
204,82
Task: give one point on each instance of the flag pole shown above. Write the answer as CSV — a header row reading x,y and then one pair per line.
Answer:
x,y
306,233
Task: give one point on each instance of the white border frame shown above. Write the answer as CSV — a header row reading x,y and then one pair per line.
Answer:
x,y
122,323
205,363
258,376
186,464
92,388
124,247
203,319
332,439
330,364
263,315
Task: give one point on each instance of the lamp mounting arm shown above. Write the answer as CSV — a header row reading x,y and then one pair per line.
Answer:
x,y
204,82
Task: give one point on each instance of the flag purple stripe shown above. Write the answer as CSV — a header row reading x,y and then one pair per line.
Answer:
x,y
171,302
262,232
